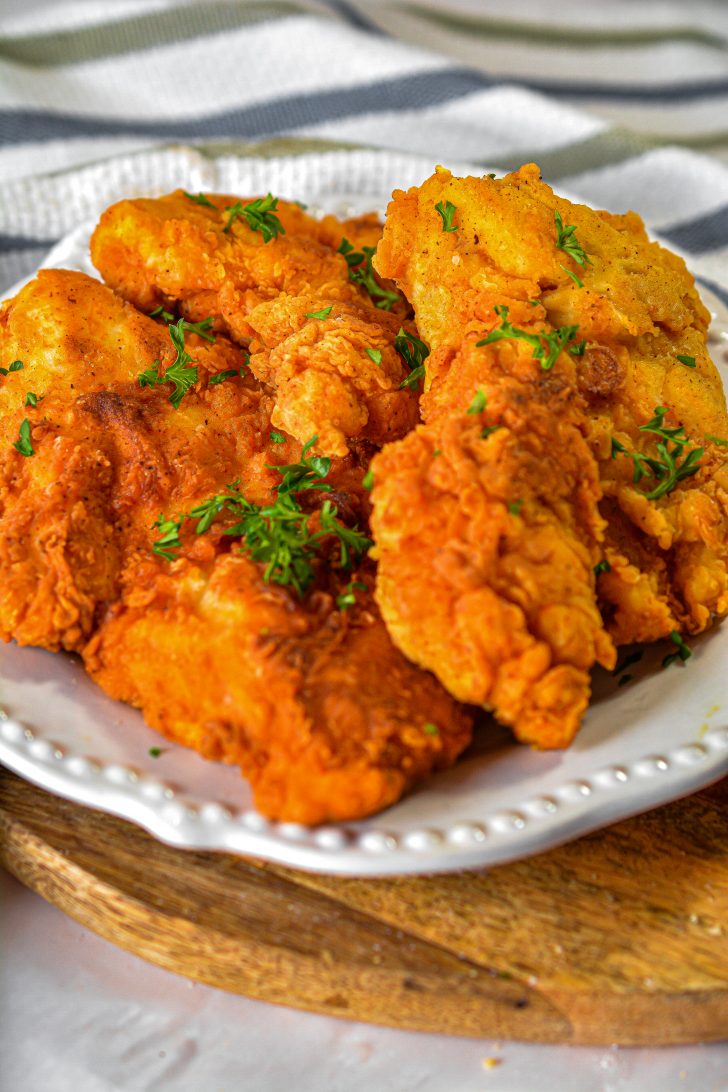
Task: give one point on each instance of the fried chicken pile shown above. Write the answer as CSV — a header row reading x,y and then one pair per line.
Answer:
x,y
187,453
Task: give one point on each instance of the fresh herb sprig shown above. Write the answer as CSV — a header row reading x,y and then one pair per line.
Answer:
x,y
276,535
667,467
178,373
200,199
414,352
16,366
361,272
23,443
683,653
546,346
567,241
260,216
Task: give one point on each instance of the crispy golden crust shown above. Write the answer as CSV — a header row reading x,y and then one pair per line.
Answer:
x,y
323,714
175,252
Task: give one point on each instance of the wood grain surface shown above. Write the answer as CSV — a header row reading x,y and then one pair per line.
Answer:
x,y
619,937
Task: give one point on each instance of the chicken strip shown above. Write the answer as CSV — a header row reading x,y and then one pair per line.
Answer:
x,y
198,623
299,290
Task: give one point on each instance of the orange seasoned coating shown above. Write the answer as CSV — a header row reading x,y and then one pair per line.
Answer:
x,y
176,253
335,371
637,311
216,658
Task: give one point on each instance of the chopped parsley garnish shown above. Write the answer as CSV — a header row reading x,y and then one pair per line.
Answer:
x,y
348,597
375,355
688,361
684,652
159,312
414,352
479,402
361,272
488,431
324,313
716,440
16,366
260,216
31,399
368,480
602,566
577,349
155,752
515,507
23,444
200,199
574,276
277,438
179,373
436,453
431,729
220,377
200,328
566,240
667,469
447,211
278,534
546,347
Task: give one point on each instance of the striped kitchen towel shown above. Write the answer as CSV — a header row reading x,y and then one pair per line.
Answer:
x,y
610,97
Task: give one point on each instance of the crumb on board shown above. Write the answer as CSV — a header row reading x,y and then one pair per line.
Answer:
x,y
491,1063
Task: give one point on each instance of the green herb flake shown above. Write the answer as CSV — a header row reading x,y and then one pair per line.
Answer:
x,y
155,752
546,347
479,403
436,453
574,276
348,596
566,240
202,329
488,431
324,313
361,272
514,507
667,468
200,199
220,377
688,361
178,373
169,530
414,352
260,216
716,440
31,399
446,212
628,661
159,312
375,355
277,438
368,480
23,444
430,729
577,349
684,652
602,566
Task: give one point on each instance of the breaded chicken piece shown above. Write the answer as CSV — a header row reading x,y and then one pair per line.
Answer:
x,y
217,658
486,519
261,288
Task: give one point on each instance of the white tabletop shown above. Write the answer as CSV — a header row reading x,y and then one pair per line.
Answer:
x,y
79,1015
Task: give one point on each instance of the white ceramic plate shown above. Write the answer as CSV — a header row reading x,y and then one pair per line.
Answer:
x,y
663,735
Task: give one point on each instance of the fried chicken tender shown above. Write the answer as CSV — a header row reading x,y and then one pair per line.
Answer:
x,y
307,695
486,517
265,293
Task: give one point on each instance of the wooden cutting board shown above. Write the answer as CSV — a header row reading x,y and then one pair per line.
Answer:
x,y
619,937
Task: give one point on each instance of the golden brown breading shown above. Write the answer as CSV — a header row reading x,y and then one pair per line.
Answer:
x,y
175,252
309,696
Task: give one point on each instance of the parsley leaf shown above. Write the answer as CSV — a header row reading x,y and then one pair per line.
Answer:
x,y
479,402
688,361
566,240
23,444
574,276
179,373
159,312
155,752
324,313
353,544
716,440
368,480
31,399
431,729
446,211
200,199
348,598
199,328
277,438
220,377
169,530
414,352
602,566
260,216
684,652
375,355
515,507
361,272
667,469
546,347
16,366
